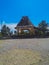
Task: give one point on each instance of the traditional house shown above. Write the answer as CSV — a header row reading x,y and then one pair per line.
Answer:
x,y
25,24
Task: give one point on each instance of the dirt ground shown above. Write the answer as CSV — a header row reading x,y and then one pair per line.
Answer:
x,y
30,51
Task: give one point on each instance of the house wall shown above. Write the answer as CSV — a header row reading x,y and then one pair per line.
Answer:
x,y
20,29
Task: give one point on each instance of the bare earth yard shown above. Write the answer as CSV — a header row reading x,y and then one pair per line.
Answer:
x,y
24,52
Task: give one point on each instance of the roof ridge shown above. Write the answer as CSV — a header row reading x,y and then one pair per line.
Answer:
x,y
24,21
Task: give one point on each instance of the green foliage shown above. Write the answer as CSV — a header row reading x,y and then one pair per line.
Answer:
x,y
5,31
11,33
0,33
25,32
15,32
43,26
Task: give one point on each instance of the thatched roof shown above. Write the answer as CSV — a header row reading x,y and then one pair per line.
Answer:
x,y
24,21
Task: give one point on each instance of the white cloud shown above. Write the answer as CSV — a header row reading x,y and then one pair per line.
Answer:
x,y
11,26
47,27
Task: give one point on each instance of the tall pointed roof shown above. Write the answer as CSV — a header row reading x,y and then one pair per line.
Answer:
x,y
24,21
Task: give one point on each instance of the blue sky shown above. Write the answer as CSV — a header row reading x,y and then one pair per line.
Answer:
x,y
11,11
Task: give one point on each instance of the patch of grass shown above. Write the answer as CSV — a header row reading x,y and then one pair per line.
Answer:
x,y
20,57
1,41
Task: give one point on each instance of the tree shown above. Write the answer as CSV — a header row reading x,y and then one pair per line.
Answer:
x,y
15,32
5,31
43,26
8,31
11,33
